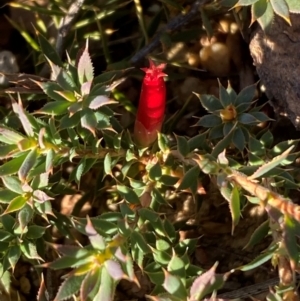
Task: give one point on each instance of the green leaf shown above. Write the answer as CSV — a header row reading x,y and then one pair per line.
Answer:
x,y
246,2
10,136
222,144
190,177
198,142
6,236
69,287
238,139
266,20
28,164
138,240
29,250
157,197
228,3
13,184
246,96
65,80
247,118
96,240
106,290
258,261
162,141
7,195
107,164
7,151
155,172
256,147
23,117
90,285
49,160
209,121
224,97
260,116
270,165
259,234
177,267
258,9
35,232
294,6
168,180
8,222
290,233
173,285
210,102
182,145
234,206
267,139
85,66
78,171
128,194
69,122
25,215
283,146
148,215
55,108
48,50
14,253
281,8
89,121
12,166
16,204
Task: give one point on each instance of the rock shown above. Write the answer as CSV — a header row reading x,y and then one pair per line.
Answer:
x,y
276,56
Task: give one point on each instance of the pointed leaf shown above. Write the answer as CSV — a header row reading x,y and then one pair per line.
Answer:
x,y
85,66
258,261
114,269
90,283
266,20
16,204
173,285
106,290
210,102
10,136
13,184
69,287
206,283
234,205
55,108
270,165
48,50
222,144
290,239
28,164
209,121
99,101
260,233
22,115
246,96
12,166
190,177
89,121
281,8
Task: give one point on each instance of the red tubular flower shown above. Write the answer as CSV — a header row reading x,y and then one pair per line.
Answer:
x,y
152,103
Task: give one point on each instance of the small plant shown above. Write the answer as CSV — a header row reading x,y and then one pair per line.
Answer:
x,y
134,177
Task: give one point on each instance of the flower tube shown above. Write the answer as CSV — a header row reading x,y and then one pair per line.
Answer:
x,y
151,109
